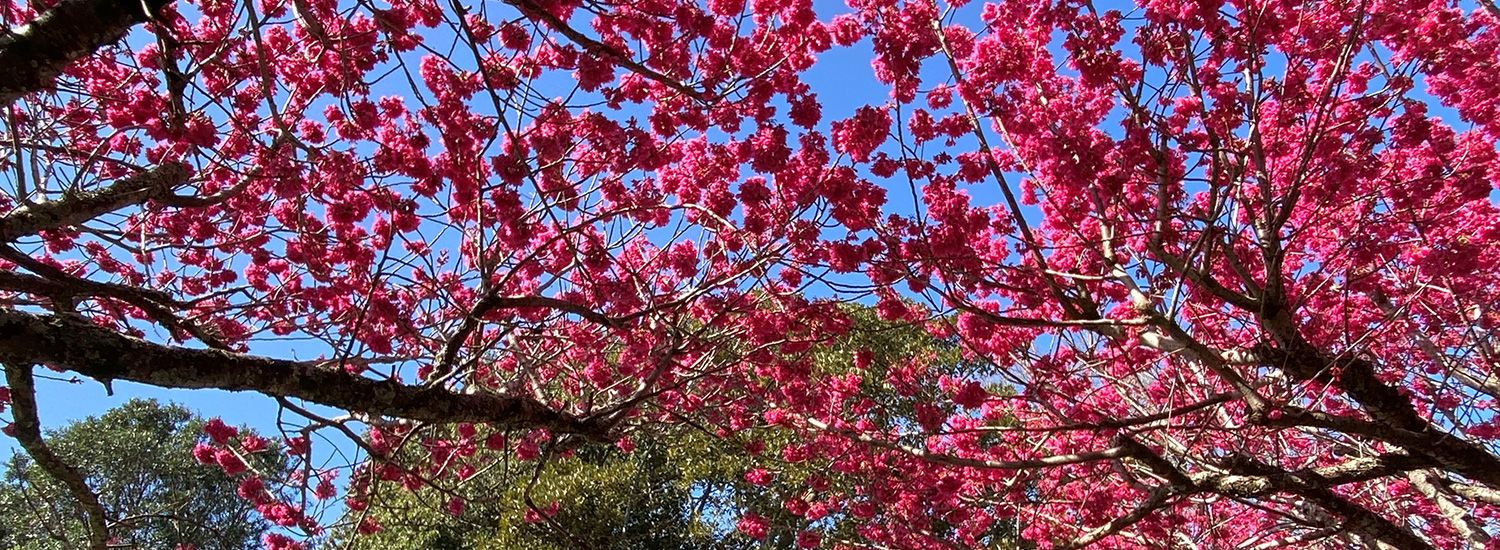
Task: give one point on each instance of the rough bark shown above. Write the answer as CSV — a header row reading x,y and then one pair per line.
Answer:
x,y
79,208
1244,477
1463,523
104,355
1252,479
32,55
1396,420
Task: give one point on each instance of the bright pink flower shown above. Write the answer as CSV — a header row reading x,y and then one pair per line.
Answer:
x,y
251,488
277,541
970,395
324,490
229,462
758,476
205,453
252,443
368,526
219,432
752,525
297,446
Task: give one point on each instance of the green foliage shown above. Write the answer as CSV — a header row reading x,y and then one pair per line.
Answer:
x,y
605,500
136,458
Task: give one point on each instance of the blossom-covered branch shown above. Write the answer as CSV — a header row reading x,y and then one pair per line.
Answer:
x,y
33,54
101,354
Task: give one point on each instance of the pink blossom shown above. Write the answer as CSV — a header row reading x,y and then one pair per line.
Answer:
x,y
219,432
752,525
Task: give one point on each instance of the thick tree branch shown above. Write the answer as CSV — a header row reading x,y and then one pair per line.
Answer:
x,y
1252,479
31,284
32,55
1158,500
29,434
62,287
1487,496
1462,522
1358,519
1269,480
1396,419
79,208
53,281
105,355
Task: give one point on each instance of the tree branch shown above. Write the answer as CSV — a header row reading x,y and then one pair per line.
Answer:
x,y
1159,499
540,13
1264,479
1396,419
1462,522
449,356
1250,479
1253,479
32,55
938,458
57,284
82,207
104,355
29,434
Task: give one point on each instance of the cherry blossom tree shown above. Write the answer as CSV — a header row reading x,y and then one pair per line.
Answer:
x,y
1222,274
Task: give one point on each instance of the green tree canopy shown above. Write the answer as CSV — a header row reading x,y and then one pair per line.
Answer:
x,y
136,458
